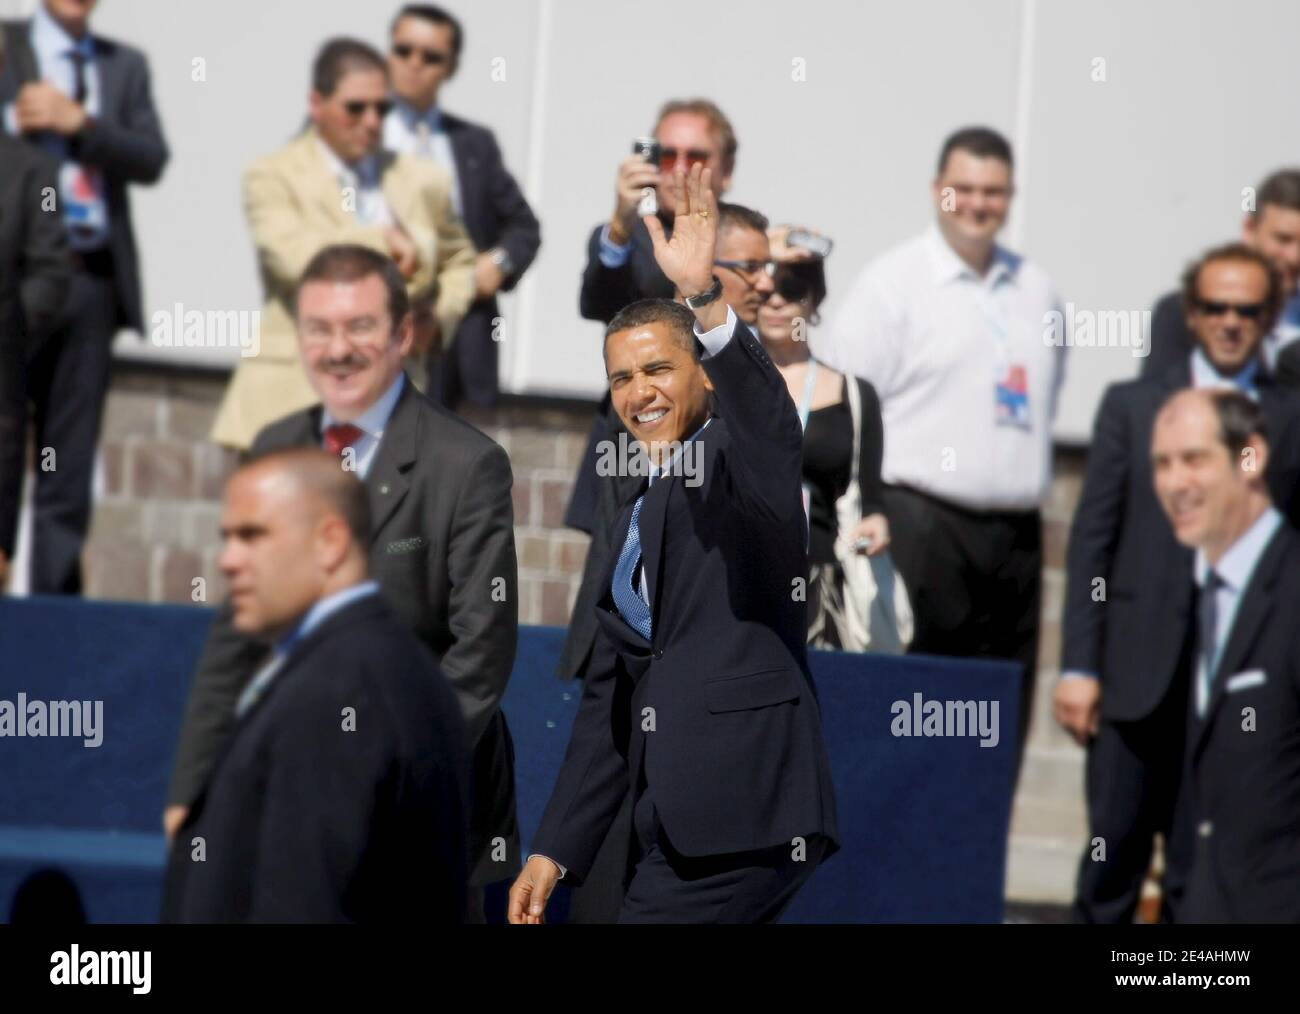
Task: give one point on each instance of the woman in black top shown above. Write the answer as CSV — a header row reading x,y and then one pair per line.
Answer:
x,y
837,422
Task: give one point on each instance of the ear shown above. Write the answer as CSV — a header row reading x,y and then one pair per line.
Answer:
x,y
708,384
406,334
1249,226
333,542
315,105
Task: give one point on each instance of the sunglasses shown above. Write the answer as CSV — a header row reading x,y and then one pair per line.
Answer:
x,y
792,287
1247,311
357,108
429,57
694,156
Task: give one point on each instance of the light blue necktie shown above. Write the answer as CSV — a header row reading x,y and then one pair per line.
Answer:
x,y
626,596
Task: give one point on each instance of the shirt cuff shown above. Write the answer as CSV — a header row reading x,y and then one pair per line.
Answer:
x,y
716,340
10,118
1078,674
612,255
538,855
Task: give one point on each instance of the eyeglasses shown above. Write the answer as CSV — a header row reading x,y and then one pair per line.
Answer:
x,y
357,108
749,270
430,57
1247,311
694,156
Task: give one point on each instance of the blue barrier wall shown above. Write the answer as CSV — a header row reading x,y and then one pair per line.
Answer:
x,y
924,819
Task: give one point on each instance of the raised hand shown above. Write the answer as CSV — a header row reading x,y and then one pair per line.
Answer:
x,y
687,259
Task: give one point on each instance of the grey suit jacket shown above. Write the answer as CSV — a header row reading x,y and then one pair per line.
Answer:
x,y
443,552
124,140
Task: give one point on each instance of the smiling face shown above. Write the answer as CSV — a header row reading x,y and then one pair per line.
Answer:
x,y
1229,318
1205,490
347,344
658,388
972,197
351,119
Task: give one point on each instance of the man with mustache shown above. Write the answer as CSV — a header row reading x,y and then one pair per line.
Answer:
x,y
442,539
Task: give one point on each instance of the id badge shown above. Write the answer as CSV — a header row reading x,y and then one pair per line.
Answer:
x,y
1011,396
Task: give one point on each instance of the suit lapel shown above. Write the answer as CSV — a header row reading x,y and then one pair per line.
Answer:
x,y
467,166
317,179
651,524
387,481
18,40
1252,612
108,67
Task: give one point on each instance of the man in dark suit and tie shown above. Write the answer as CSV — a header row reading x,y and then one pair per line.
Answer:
x,y
34,277
426,43
1241,800
86,101
341,794
441,543
1128,600
704,707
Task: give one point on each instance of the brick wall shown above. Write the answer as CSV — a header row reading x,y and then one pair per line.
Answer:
x,y
155,532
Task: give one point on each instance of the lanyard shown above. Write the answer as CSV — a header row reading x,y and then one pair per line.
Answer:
x,y
809,385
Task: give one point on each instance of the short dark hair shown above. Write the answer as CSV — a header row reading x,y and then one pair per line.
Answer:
x,y
737,216
1281,189
982,142
339,57
349,262
323,474
680,321
717,120
434,15
813,273
1240,418
1234,252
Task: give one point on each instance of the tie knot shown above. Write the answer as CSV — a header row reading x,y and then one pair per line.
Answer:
x,y
341,435
1212,581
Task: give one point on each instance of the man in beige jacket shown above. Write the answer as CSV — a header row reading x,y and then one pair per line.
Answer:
x,y
335,184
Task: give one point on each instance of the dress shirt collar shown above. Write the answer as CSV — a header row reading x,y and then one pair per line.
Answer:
x,y
656,471
365,172
411,118
323,609
50,38
1205,375
948,267
1237,564
373,420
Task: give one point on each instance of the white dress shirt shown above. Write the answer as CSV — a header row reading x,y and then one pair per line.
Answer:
x,y
371,422
1234,569
1205,376
936,341
363,179
422,134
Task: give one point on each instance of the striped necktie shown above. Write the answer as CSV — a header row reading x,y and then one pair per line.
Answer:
x,y
627,597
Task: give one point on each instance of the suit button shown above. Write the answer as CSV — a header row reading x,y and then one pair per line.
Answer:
x,y
1205,828
659,653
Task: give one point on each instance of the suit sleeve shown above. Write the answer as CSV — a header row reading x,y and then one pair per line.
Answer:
x,y
520,233
1288,366
1095,535
134,150
605,291
1170,341
229,658
46,271
285,242
593,780
764,461
483,611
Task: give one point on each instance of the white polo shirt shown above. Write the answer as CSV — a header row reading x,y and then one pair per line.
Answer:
x,y
967,376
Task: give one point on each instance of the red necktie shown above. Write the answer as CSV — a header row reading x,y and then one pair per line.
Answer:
x,y
341,435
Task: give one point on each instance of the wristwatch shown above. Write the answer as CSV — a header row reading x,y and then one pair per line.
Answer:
x,y
705,298
501,258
